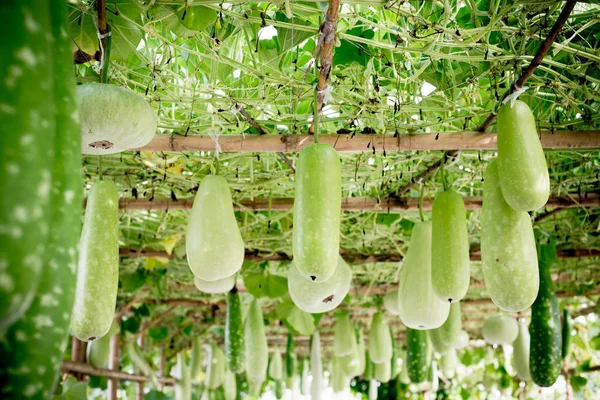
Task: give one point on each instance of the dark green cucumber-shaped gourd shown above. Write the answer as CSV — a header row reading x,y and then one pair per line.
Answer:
x,y
255,340
524,173
99,350
33,346
417,359
183,386
545,350
380,339
446,335
27,133
508,248
344,339
317,212
279,389
290,361
234,333
196,360
450,268
98,270
521,353
567,326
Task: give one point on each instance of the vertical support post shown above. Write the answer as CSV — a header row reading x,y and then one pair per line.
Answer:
x,y
140,388
163,367
78,349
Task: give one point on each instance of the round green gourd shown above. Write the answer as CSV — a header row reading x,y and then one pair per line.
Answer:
x,y
316,367
390,301
98,270
380,340
183,386
418,305
28,362
257,356
500,329
234,333
450,269
229,386
545,350
344,339
508,250
99,350
276,366
448,363
319,297
219,286
214,245
521,353
383,371
443,337
317,212
196,361
215,373
524,175
417,361
27,134
113,119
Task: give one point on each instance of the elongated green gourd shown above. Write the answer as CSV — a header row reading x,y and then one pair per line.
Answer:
x,y
380,340
234,333
394,363
98,270
137,358
229,386
545,350
215,374
339,381
196,361
434,377
27,133
304,387
390,301
508,249
351,363
219,286
369,366
521,353
361,350
372,389
290,361
276,366
344,339
418,305
448,363
316,367
183,387
279,388
99,350
257,356
566,333
383,371
33,346
450,269
500,329
416,355
446,335
524,173
317,211
214,245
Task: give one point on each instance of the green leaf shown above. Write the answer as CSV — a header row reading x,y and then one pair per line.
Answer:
x,y
578,382
158,332
595,343
99,382
142,311
132,282
131,324
387,219
261,283
296,320
73,390
156,395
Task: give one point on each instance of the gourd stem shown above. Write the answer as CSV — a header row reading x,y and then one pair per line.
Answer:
x,y
316,116
421,203
443,172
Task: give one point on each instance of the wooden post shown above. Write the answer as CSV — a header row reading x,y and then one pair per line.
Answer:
x,y
163,367
140,388
113,364
78,349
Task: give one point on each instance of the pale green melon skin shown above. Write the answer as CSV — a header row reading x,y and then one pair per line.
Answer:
x,y
339,381
443,337
196,360
462,341
98,267
229,386
215,374
500,329
319,297
390,301
219,286
276,366
257,354
521,353
448,363
508,252
380,340
344,342
317,212
362,352
214,245
351,363
450,263
419,307
183,387
383,371
115,115
523,170
99,350
316,367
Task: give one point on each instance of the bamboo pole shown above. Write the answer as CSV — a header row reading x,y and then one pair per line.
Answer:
x,y
467,140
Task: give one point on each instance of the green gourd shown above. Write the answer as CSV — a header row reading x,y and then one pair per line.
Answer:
x,y
139,360
369,367
508,248
290,361
183,386
276,366
500,329
99,350
448,363
317,212
418,305
234,333
215,373
196,361
339,381
214,287
372,389
567,326
316,367
229,386
304,387
28,362
380,339
344,339
390,301
214,245
417,360
27,135
524,175
446,335
450,268
257,356
361,350
383,371
98,270
521,353
462,341
279,386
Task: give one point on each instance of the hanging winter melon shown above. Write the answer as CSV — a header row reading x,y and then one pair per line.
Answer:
x,y
113,119
390,301
196,360
383,372
319,297
229,386
351,363
448,363
339,381
344,339
317,212
524,175
316,367
521,353
462,341
450,269
508,252
443,337
215,373
361,349
257,355
183,386
380,339
219,286
98,270
276,366
214,245
500,329
418,305
99,350
417,360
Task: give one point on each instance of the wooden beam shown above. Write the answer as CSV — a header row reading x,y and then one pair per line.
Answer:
x,y
87,369
364,204
468,140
